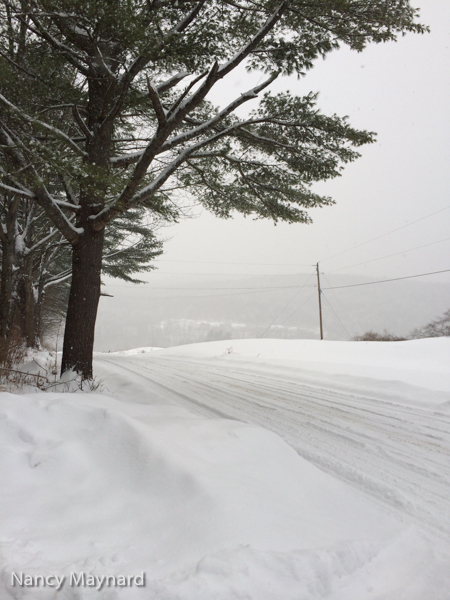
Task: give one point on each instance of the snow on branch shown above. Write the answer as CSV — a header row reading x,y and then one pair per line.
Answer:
x,y
64,276
57,132
191,102
180,99
188,19
207,125
172,82
43,241
156,103
66,204
248,48
12,190
124,160
182,157
72,57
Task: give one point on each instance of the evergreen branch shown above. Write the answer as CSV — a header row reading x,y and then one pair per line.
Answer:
x,y
74,59
40,192
189,104
245,97
188,19
60,134
119,206
141,61
205,181
45,200
248,48
19,192
17,66
180,99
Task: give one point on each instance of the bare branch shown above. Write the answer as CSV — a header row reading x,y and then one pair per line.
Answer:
x,y
172,82
176,104
195,100
84,128
156,103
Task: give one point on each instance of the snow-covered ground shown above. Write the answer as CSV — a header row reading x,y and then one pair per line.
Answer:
x,y
249,469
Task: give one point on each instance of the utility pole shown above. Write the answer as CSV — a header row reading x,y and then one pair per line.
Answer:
x,y
320,301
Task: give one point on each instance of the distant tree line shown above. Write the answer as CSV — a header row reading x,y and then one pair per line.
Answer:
x,y
440,327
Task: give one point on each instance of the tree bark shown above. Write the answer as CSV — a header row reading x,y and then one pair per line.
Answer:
x,y
6,289
32,336
87,251
8,281
83,303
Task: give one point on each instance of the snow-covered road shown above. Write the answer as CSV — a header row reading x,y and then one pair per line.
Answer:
x,y
182,469
390,439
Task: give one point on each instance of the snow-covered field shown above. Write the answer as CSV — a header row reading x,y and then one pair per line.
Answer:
x,y
249,469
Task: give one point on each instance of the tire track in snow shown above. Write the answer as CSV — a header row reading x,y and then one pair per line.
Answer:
x,y
398,454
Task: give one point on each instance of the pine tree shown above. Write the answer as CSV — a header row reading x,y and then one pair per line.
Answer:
x,y
35,264
139,129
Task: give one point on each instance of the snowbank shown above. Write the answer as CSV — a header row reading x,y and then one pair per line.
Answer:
x,y
205,508
202,508
423,363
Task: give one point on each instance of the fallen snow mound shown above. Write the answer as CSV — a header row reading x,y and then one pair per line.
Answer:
x,y
205,508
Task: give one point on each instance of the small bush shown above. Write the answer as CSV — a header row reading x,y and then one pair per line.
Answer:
x,y
371,336
12,350
13,377
12,353
437,328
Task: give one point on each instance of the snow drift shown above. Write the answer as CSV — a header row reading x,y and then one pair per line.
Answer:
x,y
204,508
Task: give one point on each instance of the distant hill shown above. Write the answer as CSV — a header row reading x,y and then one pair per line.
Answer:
x,y
173,310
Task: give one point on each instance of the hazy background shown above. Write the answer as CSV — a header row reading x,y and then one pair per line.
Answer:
x,y
391,220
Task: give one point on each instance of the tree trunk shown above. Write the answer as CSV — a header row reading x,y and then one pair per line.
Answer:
x,y
87,252
8,281
6,289
32,336
83,303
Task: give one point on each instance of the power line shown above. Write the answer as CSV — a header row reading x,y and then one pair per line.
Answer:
x,y
185,273
387,233
337,302
281,287
334,313
208,295
389,255
215,262
284,308
297,309
338,287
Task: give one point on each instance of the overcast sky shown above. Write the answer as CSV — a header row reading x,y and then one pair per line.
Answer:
x,y
399,90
